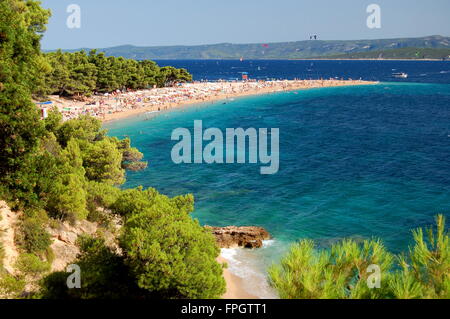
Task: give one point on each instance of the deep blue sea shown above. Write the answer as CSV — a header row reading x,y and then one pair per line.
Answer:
x,y
359,162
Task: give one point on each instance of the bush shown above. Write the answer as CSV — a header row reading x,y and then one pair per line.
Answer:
x,y
101,195
11,287
169,253
68,198
54,286
37,214
134,201
104,276
86,128
341,272
33,237
29,264
103,162
426,271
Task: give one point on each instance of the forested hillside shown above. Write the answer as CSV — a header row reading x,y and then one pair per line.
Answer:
x,y
282,50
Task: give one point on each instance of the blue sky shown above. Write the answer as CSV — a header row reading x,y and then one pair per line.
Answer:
x,y
106,23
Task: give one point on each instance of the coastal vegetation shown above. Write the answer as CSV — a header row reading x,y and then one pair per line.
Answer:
x,y
55,172
345,270
81,74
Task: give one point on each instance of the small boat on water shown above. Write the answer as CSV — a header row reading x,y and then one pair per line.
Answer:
x,y
400,75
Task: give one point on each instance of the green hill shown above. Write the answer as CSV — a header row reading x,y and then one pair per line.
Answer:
x,y
404,53
283,50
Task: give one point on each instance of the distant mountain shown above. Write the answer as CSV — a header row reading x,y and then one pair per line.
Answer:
x,y
403,53
282,50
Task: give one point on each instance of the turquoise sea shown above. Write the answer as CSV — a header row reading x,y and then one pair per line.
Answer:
x,y
360,162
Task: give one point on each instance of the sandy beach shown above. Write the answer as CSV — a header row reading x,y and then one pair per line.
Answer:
x,y
235,289
119,105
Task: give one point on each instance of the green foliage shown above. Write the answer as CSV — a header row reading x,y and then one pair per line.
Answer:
x,y
307,273
168,252
85,128
101,195
131,157
54,121
104,276
64,169
428,266
134,201
72,74
76,74
30,264
103,162
169,75
11,287
32,236
185,203
341,272
67,196
21,27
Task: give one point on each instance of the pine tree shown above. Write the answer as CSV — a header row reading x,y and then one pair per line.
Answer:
x,y
21,27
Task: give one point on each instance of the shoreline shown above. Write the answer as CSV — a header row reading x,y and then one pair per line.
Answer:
x,y
235,284
117,106
215,98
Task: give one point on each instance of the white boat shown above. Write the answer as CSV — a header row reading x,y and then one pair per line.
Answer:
x,y
401,75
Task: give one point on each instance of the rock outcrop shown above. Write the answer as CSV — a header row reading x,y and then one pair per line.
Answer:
x,y
239,237
65,237
8,220
64,242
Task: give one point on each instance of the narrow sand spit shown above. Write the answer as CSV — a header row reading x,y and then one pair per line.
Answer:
x,y
118,105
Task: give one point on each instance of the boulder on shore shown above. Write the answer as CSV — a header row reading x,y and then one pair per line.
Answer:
x,y
239,237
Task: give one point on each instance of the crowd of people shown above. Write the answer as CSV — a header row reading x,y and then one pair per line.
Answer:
x,y
159,99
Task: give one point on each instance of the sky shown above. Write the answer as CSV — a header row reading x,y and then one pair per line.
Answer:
x,y
107,23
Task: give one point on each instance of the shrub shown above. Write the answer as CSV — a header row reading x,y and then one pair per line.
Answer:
x,y
104,276
103,162
169,253
33,237
68,198
29,264
85,128
339,273
134,201
426,271
10,286
101,195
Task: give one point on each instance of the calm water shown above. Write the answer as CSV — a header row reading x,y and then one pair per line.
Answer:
x,y
419,72
360,162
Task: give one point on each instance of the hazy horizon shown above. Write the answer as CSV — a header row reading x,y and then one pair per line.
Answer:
x,y
211,44
153,23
